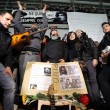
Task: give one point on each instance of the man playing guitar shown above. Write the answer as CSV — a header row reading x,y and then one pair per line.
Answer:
x,y
31,51
104,76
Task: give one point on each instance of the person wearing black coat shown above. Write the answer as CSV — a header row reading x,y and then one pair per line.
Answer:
x,y
104,76
89,54
55,50
73,51
6,77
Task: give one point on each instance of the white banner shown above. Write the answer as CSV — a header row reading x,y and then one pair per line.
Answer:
x,y
89,23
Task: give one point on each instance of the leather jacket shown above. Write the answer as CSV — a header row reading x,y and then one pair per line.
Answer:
x,y
5,47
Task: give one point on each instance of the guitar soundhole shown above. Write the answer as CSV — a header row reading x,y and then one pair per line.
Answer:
x,y
23,37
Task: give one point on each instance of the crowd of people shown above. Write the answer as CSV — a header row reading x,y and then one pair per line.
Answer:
x,y
94,59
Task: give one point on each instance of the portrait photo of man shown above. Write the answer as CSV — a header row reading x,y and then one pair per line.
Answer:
x,y
61,17
47,71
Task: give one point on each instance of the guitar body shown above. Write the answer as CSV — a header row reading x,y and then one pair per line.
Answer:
x,y
21,40
18,38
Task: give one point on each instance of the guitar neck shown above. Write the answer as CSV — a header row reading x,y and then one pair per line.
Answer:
x,y
52,102
38,31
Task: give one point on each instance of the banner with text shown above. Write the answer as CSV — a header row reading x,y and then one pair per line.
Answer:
x,y
35,16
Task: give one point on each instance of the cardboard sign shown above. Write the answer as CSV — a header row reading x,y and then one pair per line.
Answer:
x,y
66,78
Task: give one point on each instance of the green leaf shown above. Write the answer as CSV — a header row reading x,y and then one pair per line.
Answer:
x,y
34,97
74,97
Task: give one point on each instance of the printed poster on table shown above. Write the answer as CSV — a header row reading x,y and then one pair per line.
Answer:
x,y
66,77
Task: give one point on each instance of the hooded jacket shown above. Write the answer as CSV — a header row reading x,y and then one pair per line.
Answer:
x,y
89,48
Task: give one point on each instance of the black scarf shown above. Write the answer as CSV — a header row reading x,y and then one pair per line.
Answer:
x,y
71,43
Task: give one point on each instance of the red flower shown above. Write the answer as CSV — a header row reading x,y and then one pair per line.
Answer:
x,y
59,97
84,99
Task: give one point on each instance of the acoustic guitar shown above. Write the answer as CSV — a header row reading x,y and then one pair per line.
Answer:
x,y
51,93
106,55
22,39
52,102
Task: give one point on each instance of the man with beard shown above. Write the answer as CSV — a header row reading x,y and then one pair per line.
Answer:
x,y
55,50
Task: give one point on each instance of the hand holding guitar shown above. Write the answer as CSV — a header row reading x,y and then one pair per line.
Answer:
x,y
105,54
21,40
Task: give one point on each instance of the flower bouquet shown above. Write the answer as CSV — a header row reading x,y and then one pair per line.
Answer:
x,y
79,100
